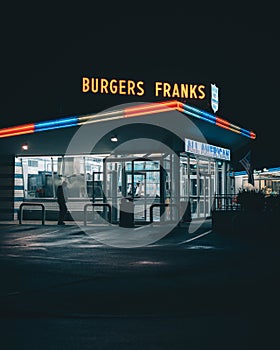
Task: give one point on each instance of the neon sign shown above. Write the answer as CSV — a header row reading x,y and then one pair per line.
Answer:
x,y
204,149
137,88
127,112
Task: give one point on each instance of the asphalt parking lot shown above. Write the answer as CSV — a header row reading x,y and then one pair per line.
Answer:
x,y
62,288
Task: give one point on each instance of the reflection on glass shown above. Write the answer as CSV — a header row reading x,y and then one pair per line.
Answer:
x,y
200,179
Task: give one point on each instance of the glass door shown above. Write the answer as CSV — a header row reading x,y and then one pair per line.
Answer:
x,y
136,178
205,197
144,188
136,188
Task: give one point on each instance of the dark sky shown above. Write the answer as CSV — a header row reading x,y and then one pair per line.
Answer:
x,y
43,58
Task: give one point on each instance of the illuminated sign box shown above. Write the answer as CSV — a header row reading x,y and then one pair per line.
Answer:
x,y
204,149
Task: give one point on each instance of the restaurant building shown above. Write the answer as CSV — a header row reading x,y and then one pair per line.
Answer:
x,y
154,153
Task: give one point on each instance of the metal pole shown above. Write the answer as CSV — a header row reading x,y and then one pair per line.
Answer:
x,y
53,184
85,177
198,187
176,184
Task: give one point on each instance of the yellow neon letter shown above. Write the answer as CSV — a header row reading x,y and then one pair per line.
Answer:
x,y
175,92
94,87
184,90
192,91
158,86
85,87
113,86
122,87
140,88
200,89
166,89
104,85
130,87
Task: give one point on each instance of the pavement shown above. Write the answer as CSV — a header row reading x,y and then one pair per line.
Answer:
x,y
69,288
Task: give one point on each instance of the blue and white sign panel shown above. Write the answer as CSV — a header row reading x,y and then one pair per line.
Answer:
x,y
204,149
214,97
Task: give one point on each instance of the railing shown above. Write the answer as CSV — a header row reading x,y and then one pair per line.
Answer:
x,y
107,205
225,202
160,205
31,204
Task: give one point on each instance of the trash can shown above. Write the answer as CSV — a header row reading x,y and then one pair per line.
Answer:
x,y
185,212
126,213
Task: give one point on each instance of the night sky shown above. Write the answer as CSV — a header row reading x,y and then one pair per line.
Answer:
x,y
43,59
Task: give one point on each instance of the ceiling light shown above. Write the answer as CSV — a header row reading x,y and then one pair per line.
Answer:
x,y
24,146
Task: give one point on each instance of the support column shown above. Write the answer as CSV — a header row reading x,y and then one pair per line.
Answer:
x,y
198,187
228,179
224,179
176,184
7,188
188,178
114,193
224,185
162,181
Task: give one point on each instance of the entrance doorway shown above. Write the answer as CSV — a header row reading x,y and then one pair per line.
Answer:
x,y
141,178
205,195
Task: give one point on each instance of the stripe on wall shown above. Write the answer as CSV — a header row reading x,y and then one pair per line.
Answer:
x,y
18,181
18,176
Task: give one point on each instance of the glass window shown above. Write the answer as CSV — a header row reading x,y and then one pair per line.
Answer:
x,y
37,177
42,175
